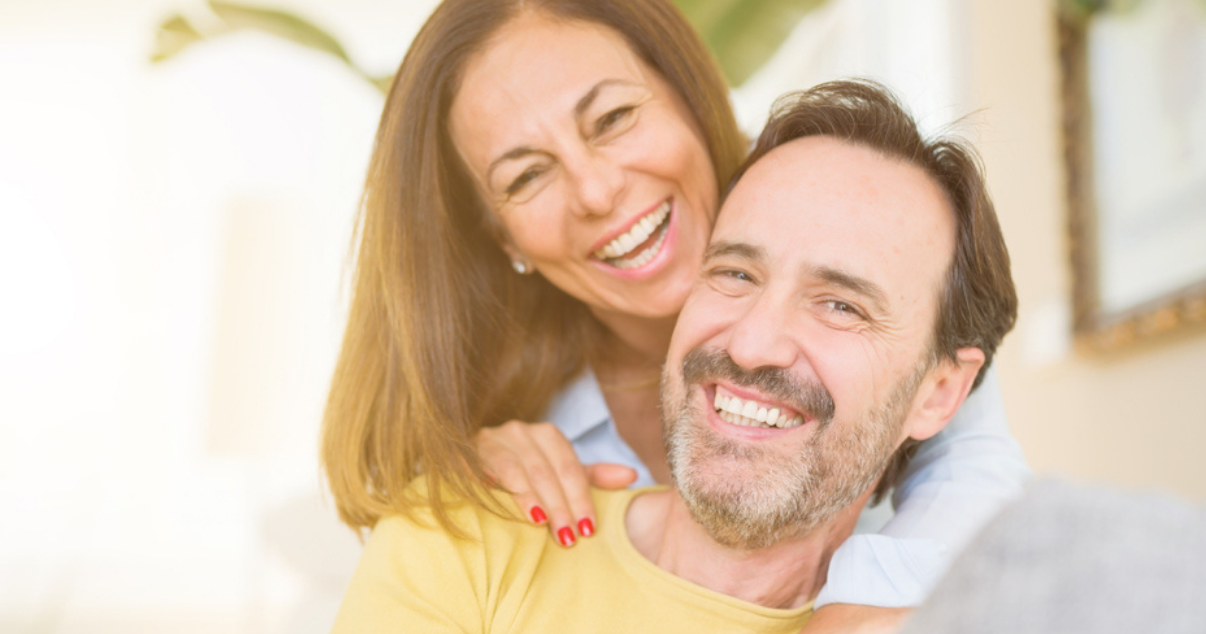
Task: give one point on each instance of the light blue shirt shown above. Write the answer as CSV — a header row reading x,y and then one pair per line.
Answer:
x,y
954,484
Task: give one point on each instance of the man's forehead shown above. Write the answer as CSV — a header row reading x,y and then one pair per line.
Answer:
x,y
820,202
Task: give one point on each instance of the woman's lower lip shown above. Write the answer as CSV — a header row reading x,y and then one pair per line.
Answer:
x,y
657,262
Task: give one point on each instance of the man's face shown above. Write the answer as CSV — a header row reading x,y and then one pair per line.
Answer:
x,y
812,319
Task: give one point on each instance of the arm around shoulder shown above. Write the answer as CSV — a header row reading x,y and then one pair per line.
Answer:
x,y
955,483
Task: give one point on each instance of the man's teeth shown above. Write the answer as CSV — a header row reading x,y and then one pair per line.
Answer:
x,y
750,414
624,244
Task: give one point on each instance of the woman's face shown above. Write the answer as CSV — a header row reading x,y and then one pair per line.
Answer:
x,y
591,162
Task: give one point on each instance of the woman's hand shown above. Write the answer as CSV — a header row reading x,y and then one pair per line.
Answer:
x,y
855,619
537,463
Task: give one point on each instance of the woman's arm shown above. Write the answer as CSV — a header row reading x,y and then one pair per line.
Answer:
x,y
955,483
840,618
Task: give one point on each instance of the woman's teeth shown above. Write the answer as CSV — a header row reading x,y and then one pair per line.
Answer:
x,y
751,414
617,251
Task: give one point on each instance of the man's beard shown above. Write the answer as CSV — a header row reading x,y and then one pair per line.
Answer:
x,y
749,496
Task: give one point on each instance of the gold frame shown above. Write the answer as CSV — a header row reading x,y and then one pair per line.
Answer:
x,y
1095,329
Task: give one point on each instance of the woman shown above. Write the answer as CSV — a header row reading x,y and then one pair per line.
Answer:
x,y
534,216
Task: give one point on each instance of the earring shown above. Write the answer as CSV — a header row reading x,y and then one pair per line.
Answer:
x,y
520,266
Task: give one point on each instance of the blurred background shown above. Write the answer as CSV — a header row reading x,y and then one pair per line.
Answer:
x,y
174,242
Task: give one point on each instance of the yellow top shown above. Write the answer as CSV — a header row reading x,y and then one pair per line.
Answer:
x,y
512,577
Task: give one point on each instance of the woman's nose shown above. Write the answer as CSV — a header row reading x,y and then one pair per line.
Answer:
x,y
598,181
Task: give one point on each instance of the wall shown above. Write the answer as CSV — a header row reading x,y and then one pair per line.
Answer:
x,y
171,242
1136,418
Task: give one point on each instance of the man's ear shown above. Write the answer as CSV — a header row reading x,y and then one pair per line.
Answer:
x,y
943,391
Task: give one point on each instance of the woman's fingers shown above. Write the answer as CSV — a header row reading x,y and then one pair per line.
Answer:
x,y
571,478
531,460
504,462
607,475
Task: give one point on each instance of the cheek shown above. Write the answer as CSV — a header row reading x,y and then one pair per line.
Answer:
x,y
537,229
706,316
847,364
670,147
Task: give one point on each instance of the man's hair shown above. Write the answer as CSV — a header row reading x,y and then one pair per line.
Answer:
x,y
978,303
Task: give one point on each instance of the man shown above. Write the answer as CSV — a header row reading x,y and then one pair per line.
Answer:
x,y
855,289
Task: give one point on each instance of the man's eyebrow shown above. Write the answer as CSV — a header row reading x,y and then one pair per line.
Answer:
x,y
741,250
579,109
853,283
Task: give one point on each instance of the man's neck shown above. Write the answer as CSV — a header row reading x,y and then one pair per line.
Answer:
x,y
784,575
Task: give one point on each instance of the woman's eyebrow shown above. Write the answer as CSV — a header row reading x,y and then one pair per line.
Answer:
x,y
579,109
589,97
511,154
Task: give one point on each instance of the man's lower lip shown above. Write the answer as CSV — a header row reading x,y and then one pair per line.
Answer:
x,y
752,433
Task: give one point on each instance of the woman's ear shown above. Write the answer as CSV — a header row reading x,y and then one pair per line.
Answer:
x,y
943,392
520,263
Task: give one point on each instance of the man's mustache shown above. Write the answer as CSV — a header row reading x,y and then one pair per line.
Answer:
x,y
808,396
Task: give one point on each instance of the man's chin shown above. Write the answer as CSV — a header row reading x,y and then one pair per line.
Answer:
x,y
743,505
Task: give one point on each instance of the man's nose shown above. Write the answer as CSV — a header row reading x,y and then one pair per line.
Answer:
x,y
762,336
597,180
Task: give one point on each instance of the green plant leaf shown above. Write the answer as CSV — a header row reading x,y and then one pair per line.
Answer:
x,y
280,24
743,34
382,82
1084,9
174,35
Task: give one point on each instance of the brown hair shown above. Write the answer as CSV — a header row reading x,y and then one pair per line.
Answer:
x,y
442,337
978,303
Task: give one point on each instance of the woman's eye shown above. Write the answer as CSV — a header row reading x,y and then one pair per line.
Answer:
x,y
612,119
526,177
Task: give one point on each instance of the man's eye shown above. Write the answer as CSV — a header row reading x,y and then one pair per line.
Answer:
x,y
843,308
526,177
736,275
612,119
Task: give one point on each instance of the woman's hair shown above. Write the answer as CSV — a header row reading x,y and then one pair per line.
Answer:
x,y
442,337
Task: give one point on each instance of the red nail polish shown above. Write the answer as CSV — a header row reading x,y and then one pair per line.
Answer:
x,y
538,515
586,528
566,535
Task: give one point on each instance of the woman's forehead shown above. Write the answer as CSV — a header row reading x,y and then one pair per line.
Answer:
x,y
535,71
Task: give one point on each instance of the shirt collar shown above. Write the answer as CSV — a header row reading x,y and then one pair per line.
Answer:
x,y
579,407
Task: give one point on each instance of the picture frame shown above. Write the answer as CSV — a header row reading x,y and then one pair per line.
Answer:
x,y
1136,175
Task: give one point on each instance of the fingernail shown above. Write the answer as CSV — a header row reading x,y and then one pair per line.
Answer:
x,y
566,535
586,528
538,515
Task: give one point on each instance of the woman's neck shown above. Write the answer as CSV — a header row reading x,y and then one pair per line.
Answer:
x,y
628,363
632,344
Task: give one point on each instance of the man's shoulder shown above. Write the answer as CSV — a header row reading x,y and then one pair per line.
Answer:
x,y
472,517
462,517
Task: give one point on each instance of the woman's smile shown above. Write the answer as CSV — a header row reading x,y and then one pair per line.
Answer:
x,y
634,253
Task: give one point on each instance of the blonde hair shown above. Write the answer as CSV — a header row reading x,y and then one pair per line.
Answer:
x,y
442,337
